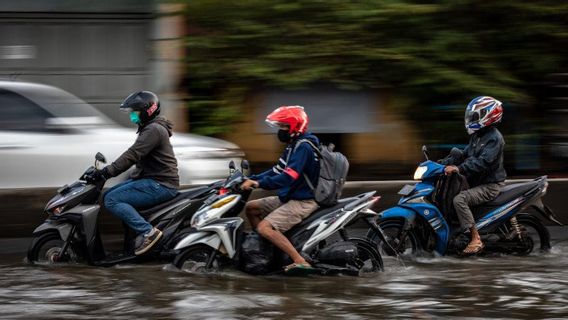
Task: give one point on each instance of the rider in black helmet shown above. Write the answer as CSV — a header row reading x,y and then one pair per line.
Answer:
x,y
155,178
143,106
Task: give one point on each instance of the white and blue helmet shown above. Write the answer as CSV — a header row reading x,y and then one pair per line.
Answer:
x,y
482,112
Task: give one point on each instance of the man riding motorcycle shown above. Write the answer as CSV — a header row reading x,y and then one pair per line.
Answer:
x,y
155,179
481,162
272,216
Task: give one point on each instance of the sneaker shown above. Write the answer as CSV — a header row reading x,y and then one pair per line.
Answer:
x,y
148,241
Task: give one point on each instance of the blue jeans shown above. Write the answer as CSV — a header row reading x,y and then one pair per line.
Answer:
x,y
123,199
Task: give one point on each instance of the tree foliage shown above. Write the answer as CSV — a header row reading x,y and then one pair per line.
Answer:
x,y
427,51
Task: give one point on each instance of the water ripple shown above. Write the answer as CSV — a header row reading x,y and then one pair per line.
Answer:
x,y
428,288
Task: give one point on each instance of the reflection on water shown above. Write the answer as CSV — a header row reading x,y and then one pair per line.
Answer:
x,y
503,287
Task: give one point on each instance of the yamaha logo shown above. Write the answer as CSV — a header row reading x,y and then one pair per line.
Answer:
x,y
426,212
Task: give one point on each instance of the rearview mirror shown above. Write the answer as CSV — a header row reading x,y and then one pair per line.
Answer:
x,y
100,157
245,167
425,151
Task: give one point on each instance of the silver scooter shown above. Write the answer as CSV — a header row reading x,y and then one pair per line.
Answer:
x,y
217,239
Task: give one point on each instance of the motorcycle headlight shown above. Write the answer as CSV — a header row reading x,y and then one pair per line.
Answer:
x,y
214,211
56,211
222,202
420,171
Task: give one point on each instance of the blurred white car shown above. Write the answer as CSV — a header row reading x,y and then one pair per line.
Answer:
x,y
48,137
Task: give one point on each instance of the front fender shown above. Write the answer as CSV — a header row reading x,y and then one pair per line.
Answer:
x,y
398,213
208,238
431,216
63,228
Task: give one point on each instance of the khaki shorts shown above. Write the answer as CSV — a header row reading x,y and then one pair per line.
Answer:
x,y
283,216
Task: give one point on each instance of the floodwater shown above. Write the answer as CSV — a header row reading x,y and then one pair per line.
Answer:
x,y
533,287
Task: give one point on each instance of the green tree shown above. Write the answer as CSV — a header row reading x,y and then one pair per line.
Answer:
x,y
427,51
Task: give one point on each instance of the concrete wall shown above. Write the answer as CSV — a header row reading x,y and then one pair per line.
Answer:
x,y
100,51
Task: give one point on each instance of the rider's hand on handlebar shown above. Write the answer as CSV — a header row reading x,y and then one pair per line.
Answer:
x,y
451,169
97,175
249,185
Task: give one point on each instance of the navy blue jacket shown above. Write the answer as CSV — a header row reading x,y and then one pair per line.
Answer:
x,y
483,158
288,174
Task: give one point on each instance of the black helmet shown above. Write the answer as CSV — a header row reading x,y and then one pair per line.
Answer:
x,y
144,101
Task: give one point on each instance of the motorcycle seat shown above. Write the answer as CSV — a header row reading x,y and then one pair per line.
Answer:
x,y
320,213
183,194
508,193
512,191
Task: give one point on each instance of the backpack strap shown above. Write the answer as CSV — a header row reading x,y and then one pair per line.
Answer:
x,y
306,178
314,147
316,151
310,184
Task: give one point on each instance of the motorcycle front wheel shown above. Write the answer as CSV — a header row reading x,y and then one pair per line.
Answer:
x,y
197,259
46,249
405,244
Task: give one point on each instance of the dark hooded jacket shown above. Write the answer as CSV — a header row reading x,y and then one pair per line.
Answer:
x,y
152,153
288,174
482,160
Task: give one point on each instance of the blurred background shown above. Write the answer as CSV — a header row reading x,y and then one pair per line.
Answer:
x,y
377,78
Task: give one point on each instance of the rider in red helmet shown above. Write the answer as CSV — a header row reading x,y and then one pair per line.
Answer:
x,y
272,216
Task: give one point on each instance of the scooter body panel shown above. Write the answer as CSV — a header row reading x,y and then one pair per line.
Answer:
x,y
221,231
435,219
61,227
200,237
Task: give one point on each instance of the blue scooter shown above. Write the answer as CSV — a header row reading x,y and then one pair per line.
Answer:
x,y
417,223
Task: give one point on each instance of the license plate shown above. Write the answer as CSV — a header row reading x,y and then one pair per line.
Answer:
x,y
406,190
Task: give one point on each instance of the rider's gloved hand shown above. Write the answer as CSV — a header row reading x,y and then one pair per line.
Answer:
x,y
98,175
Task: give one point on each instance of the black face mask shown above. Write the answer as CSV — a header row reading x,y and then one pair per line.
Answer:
x,y
284,136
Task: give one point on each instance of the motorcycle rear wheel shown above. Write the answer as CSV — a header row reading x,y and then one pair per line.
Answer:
x,y
370,260
534,237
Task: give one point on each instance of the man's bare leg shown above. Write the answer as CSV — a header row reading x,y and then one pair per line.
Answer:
x,y
253,214
475,245
278,239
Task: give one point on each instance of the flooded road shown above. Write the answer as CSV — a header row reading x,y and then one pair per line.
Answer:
x,y
534,287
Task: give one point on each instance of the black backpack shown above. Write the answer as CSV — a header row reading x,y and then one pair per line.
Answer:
x,y
256,254
447,188
332,174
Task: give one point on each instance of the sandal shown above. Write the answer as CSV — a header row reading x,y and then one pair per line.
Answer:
x,y
299,268
473,249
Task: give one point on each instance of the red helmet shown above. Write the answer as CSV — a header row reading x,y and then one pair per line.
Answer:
x,y
293,118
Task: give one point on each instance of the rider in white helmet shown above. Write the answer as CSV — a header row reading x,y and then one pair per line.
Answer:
x,y
481,162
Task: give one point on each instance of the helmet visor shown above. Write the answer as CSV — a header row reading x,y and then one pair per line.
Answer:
x,y
277,124
471,116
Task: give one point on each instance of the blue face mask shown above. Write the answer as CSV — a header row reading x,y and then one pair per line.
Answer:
x,y
135,117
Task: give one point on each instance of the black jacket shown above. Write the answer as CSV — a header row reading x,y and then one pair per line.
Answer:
x,y
152,153
482,159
